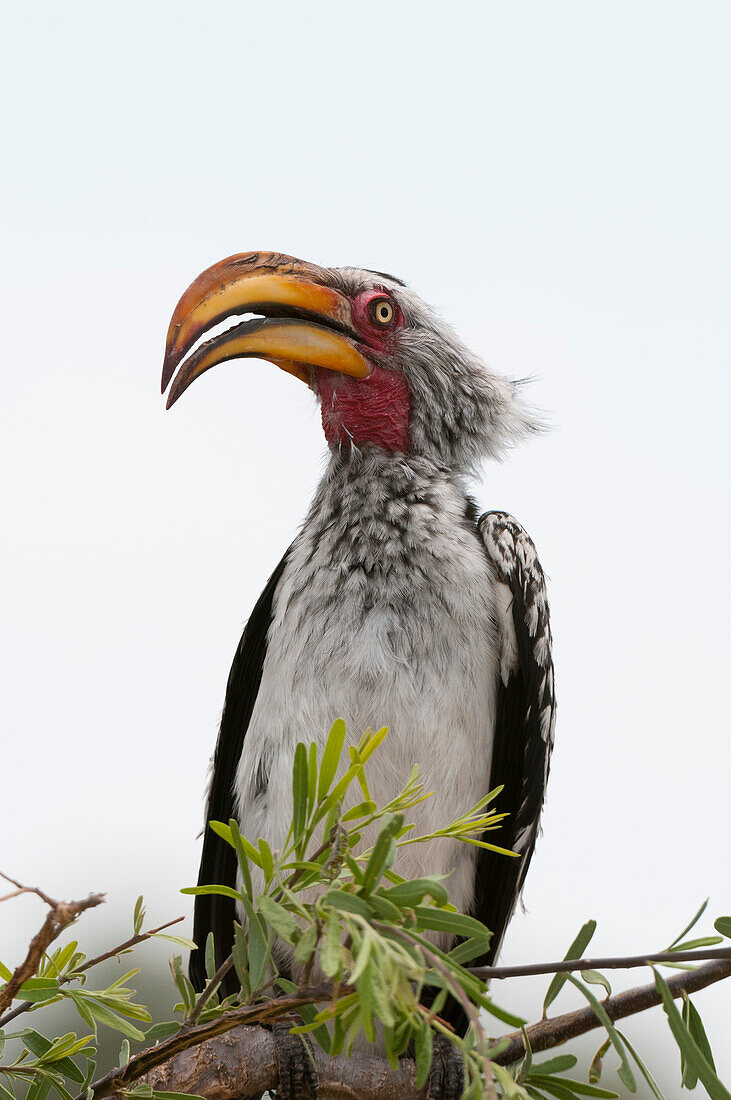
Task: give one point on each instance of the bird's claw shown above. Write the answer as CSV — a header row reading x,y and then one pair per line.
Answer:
x,y
446,1076
295,1063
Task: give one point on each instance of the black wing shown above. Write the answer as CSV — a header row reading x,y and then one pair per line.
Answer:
x,y
525,719
218,862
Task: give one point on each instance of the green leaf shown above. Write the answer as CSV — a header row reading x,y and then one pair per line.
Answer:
x,y
468,950
258,945
138,917
349,903
351,1031
299,797
241,961
158,1095
363,809
64,1048
697,1030
229,832
556,1085
201,891
385,909
41,1046
280,918
555,1065
182,984
330,954
305,945
311,777
597,1062
595,978
723,925
39,1088
122,1005
624,1071
318,1031
243,856
694,920
577,949
368,745
124,1052
161,1030
691,1019
224,831
210,957
688,1046
79,1002
372,980
38,989
267,860
331,758
527,1063
423,1054
652,1083
5,974
410,893
437,920
367,1017
688,1076
364,954
61,958
694,945
502,1014
105,1016
179,941
329,808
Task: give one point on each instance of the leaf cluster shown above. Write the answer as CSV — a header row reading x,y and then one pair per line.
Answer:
x,y
66,1064
331,900
332,896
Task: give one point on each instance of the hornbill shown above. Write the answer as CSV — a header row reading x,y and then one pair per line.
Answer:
x,y
395,604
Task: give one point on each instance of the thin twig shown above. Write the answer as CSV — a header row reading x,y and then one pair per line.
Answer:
x,y
208,992
25,1006
611,962
26,890
140,937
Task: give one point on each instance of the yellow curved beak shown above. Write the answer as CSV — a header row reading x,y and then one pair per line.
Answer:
x,y
304,322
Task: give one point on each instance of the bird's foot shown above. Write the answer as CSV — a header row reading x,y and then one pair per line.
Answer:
x,y
446,1076
295,1062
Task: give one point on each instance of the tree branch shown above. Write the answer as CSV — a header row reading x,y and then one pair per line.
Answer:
x,y
224,1060
189,1038
558,1029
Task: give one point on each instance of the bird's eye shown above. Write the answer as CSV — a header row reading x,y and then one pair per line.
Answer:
x,y
382,311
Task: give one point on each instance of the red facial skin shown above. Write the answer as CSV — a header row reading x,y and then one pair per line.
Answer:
x,y
372,410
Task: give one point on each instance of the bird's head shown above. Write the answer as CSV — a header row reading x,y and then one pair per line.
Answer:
x,y
387,371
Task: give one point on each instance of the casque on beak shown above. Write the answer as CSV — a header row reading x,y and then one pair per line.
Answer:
x,y
303,323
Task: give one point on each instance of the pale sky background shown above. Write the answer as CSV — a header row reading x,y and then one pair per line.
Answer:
x,y
555,179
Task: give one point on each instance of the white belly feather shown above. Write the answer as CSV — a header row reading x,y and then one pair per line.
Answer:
x,y
383,617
